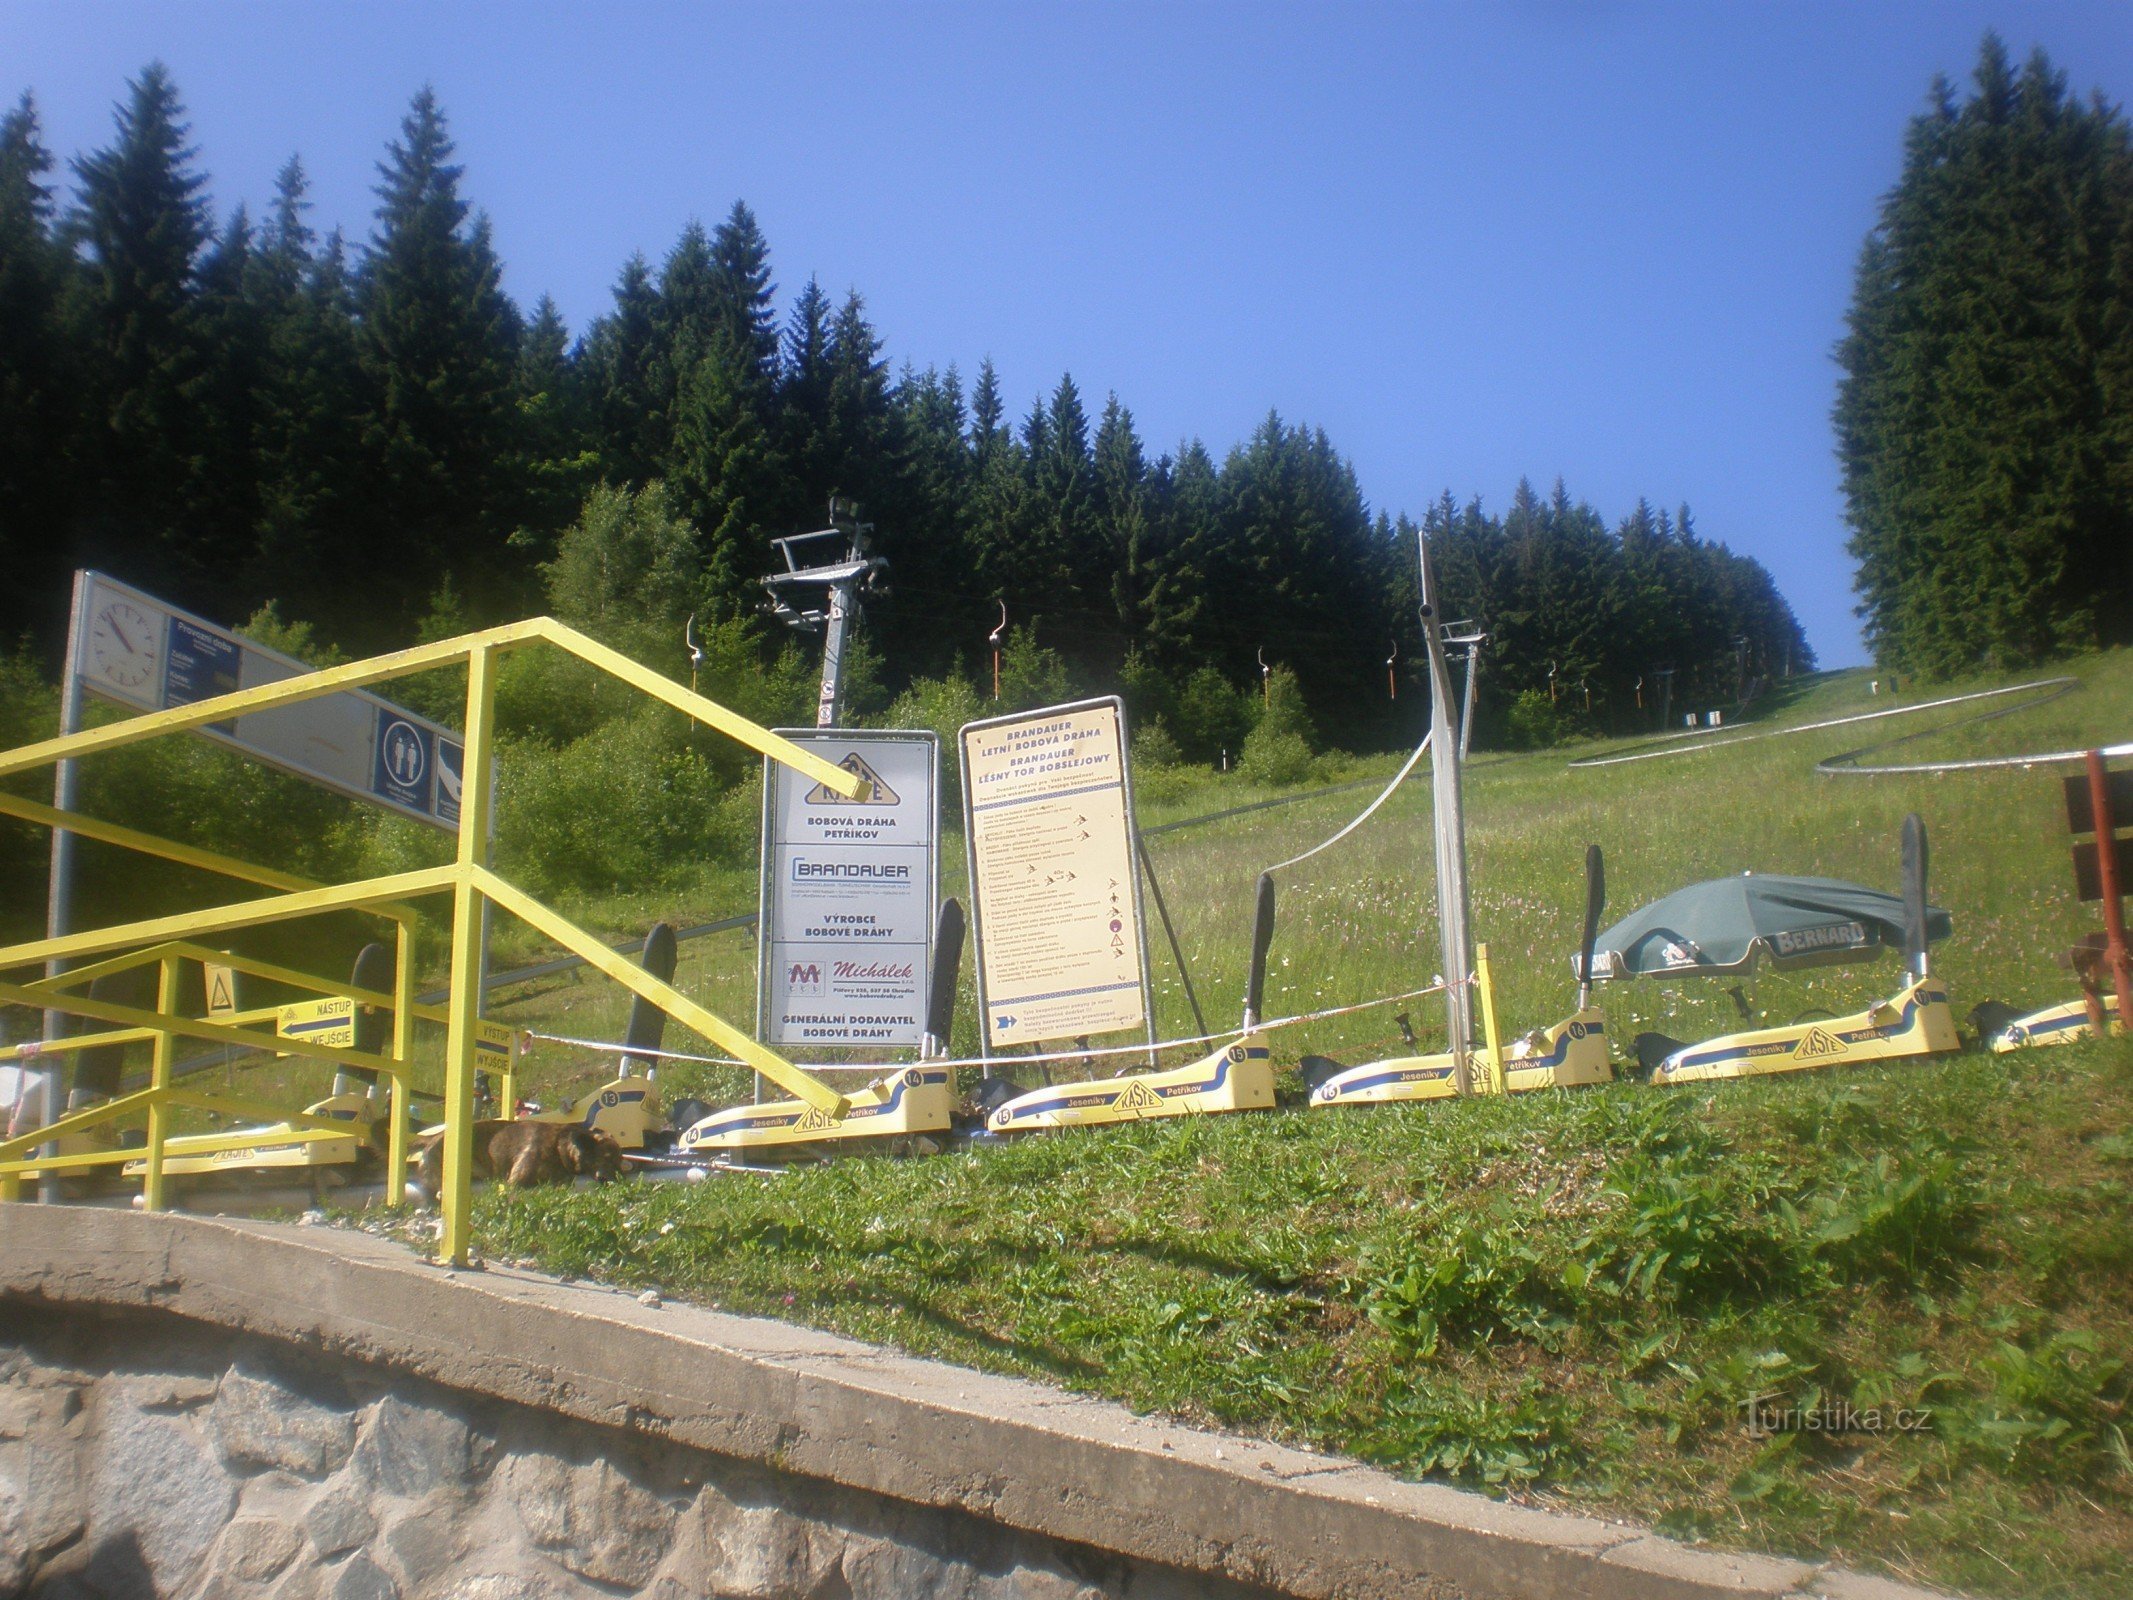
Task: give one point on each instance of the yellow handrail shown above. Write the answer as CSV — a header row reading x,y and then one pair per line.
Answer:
x,y
171,939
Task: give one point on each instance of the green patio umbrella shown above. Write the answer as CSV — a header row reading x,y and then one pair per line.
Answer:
x,y
1723,927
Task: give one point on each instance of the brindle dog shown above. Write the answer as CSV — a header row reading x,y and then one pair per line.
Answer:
x,y
523,1154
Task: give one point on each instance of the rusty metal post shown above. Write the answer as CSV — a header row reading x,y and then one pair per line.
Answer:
x,y
2114,920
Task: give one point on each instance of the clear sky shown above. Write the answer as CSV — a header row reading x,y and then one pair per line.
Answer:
x,y
1608,241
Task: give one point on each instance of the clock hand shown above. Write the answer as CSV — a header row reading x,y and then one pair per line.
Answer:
x,y
122,639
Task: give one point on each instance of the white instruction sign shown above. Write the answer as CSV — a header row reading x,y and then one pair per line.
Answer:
x,y
1053,885
845,941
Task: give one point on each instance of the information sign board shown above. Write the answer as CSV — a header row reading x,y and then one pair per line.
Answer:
x,y
330,1022
1057,916
845,939
138,651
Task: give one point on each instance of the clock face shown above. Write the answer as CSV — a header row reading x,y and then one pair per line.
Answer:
x,y
124,646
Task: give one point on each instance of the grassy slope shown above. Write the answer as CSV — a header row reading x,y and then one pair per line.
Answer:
x,y
1566,1297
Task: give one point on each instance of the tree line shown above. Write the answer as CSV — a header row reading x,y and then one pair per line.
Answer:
x,y
1985,418
372,435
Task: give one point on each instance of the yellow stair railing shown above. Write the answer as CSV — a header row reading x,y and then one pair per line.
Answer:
x,y
168,941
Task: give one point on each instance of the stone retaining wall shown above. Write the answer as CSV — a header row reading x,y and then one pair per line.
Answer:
x,y
145,1456
224,1408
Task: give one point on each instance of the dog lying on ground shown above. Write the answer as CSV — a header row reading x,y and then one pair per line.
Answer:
x,y
523,1154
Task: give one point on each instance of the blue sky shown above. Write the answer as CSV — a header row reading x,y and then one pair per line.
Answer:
x,y
1609,241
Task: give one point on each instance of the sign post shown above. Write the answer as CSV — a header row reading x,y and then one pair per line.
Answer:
x,y
844,947
2101,802
1048,815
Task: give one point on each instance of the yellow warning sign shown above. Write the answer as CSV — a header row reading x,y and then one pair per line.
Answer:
x,y
329,1022
221,989
1819,1044
878,793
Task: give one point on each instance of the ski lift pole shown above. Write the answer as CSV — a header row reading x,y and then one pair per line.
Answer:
x,y
1450,821
840,583
993,639
1392,687
1266,679
696,662
1469,638
833,639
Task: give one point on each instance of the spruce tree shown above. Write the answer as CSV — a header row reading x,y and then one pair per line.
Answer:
x,y
37,387
621,359
723,464
1121,485
1985,465
439,342
140,227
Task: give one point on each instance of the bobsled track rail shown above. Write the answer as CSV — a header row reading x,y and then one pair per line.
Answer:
x,y
2042,691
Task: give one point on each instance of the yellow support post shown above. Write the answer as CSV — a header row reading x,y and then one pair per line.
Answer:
x,y
1491,1040
404,1053
165,1052
464,1006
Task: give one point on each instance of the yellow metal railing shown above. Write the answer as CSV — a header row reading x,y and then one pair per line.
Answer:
x,y
168,941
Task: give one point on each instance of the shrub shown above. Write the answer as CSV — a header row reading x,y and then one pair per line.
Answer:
x,y
629,805
1212,717
1535,722
943,705
1278,749
1154,747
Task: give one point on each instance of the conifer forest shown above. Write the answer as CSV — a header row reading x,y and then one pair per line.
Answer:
x,y
364,432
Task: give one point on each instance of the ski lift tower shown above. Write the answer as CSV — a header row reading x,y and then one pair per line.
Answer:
x,y
1463,642
824,599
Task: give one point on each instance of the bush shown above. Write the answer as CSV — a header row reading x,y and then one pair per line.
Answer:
x,y
629,805
1278,750
627,572
1030,674
943,705
1154,747
1212,717
1535,722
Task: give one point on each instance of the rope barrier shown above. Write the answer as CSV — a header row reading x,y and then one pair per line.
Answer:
x,y
2058,686
1369,811
641,1052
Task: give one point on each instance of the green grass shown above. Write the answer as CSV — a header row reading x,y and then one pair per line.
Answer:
x,y
1570,1298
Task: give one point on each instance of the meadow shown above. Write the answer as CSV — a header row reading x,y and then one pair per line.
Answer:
x,y
1581,1298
